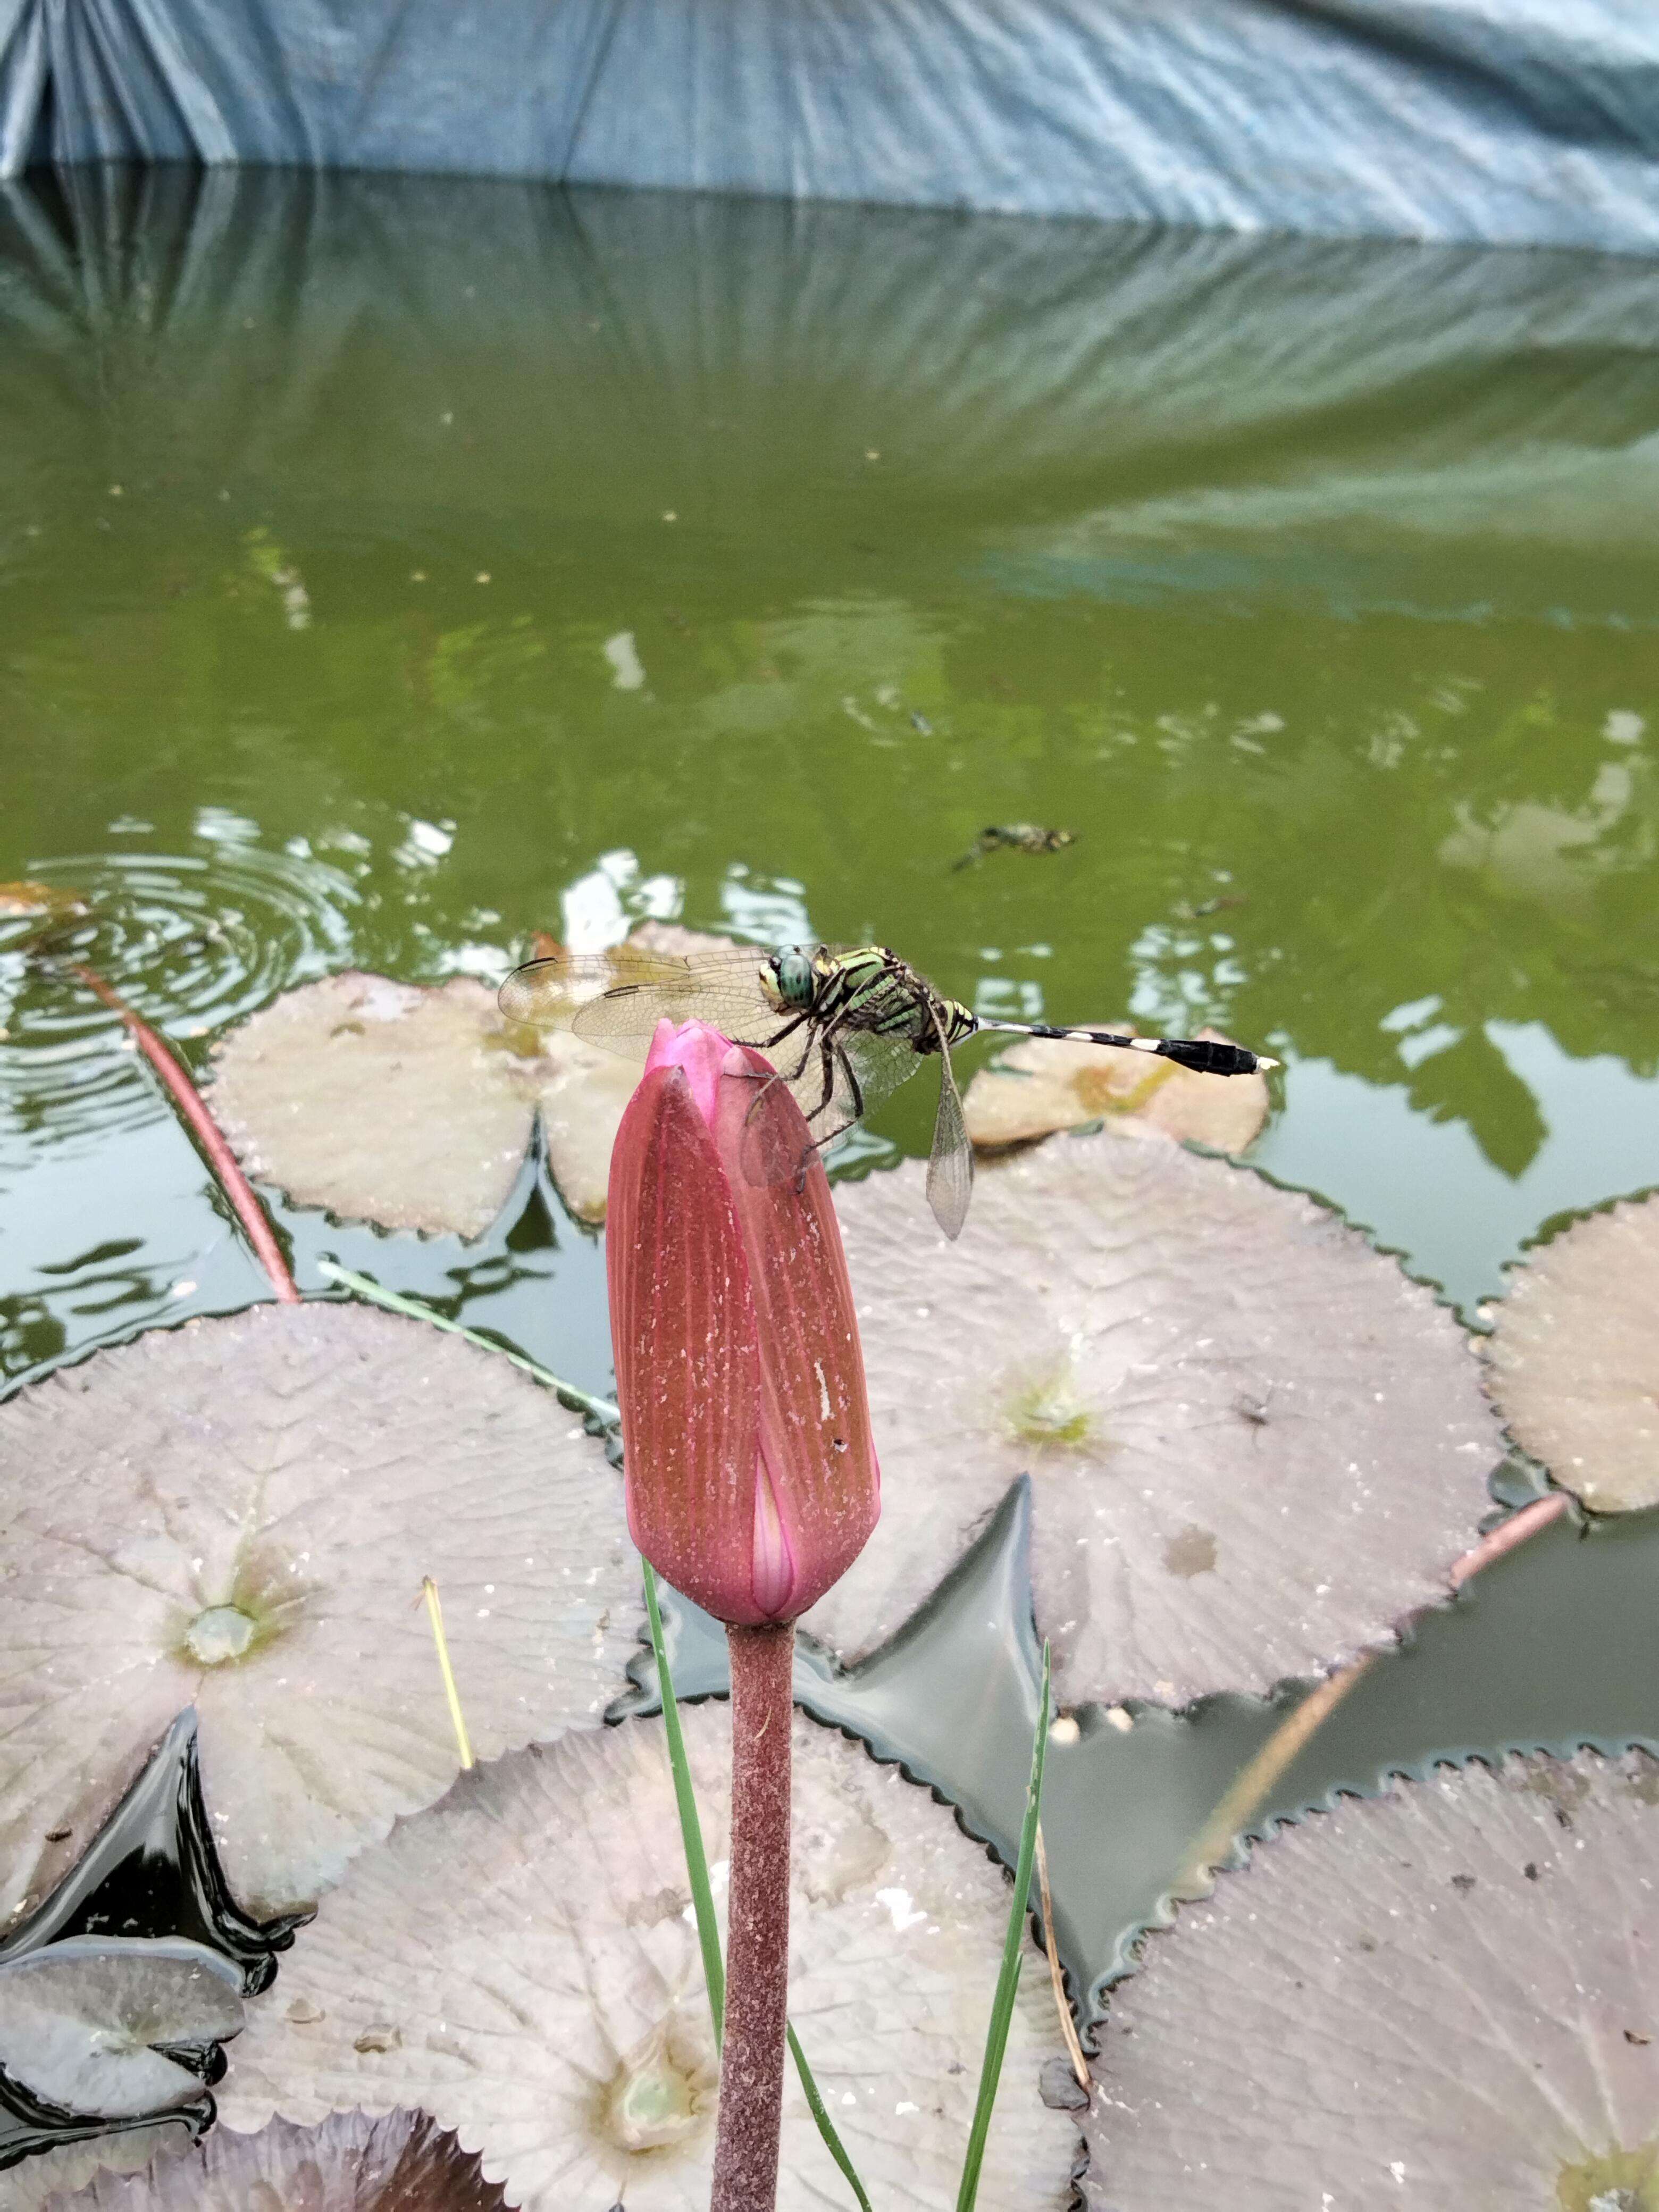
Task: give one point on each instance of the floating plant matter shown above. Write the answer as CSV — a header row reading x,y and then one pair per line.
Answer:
x,y
1441,1998
410,1105
1254,1444
1046,1084
101,2027
521,1962
401,2163
1573,1360
238,1515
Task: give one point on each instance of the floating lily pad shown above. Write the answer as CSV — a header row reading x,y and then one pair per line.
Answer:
x,y
1441,1998
238,1515
410,1105
1573,1361
1046,1084
49,2180
521,1962
1255,1444
102,2027
402,2163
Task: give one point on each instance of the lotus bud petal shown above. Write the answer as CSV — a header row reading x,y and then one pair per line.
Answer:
x,y
752,1476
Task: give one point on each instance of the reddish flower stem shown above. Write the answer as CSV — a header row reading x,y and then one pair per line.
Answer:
x,y
757,1938
206,1132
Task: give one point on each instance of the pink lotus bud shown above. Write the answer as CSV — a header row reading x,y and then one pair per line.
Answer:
x,y
752,1483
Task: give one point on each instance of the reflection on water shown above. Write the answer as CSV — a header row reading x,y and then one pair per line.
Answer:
x,y
391,568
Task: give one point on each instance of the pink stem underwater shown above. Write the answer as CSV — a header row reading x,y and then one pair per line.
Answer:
x,y
207,1134
757,1940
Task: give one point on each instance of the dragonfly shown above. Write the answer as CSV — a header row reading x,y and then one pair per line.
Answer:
x,y
843,1026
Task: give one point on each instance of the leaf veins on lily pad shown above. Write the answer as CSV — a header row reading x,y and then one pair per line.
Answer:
x,y
237,1514
1045,1084
1438,1999
401,2163
1254,1444
1573,1360
521,1962
410,1105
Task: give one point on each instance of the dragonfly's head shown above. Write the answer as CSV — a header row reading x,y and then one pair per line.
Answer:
x,y
791,976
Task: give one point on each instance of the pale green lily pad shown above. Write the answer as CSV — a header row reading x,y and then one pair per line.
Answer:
x,y
1042,1085
1441,1999
1573,1359
521,1962
238,1515
401,2163
87,2026
1255,1445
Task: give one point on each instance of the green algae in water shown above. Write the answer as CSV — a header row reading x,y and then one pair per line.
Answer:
x,y
1310,584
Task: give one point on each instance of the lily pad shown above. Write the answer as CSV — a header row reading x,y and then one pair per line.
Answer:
x,y
402,2163
238,1515
104,2028
1573,1360
522,1962
48,2181
1441,1998
1255,1444
1045,1084
410,1105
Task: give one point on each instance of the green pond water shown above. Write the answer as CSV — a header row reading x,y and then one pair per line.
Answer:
x,y
391,568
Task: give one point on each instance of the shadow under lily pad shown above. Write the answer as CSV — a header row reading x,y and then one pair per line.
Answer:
x,y
401,2163
1573,1359
521,1962
1255,1444
1042,1085
1441,1998
237,1514
410,1105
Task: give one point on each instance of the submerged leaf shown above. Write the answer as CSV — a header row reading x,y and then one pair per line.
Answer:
x,y
1442,1999
101,2027
1254,1444
1573,1360
1045,1084
402,2163
238,1515
410,1105
522,1962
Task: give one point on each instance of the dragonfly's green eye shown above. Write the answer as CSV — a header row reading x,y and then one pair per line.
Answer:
x,y
793,971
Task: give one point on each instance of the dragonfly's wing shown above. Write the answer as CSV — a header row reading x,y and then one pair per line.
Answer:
x,y
617,999
872,1068
950,1168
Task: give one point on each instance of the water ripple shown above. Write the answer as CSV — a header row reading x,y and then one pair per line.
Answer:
x,y
191,942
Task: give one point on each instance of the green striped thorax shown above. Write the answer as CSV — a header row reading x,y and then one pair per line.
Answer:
x,y
868,988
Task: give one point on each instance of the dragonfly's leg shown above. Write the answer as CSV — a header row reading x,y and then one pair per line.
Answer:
x,y
853,1083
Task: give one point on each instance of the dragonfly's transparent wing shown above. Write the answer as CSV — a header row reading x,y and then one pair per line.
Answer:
x,y
950,1168
617,999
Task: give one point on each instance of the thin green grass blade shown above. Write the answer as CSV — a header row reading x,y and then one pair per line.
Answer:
x,y
581,1401
1002,2009
826,2126
697,1859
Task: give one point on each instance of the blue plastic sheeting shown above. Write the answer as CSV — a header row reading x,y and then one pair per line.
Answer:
x,y
1506,121
1131,414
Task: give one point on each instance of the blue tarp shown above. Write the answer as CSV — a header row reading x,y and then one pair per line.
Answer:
x,y
1502,121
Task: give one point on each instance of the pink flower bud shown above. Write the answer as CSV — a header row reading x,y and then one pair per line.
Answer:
x,y
752,1483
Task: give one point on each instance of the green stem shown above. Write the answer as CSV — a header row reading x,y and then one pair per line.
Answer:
x,y
1002,2007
